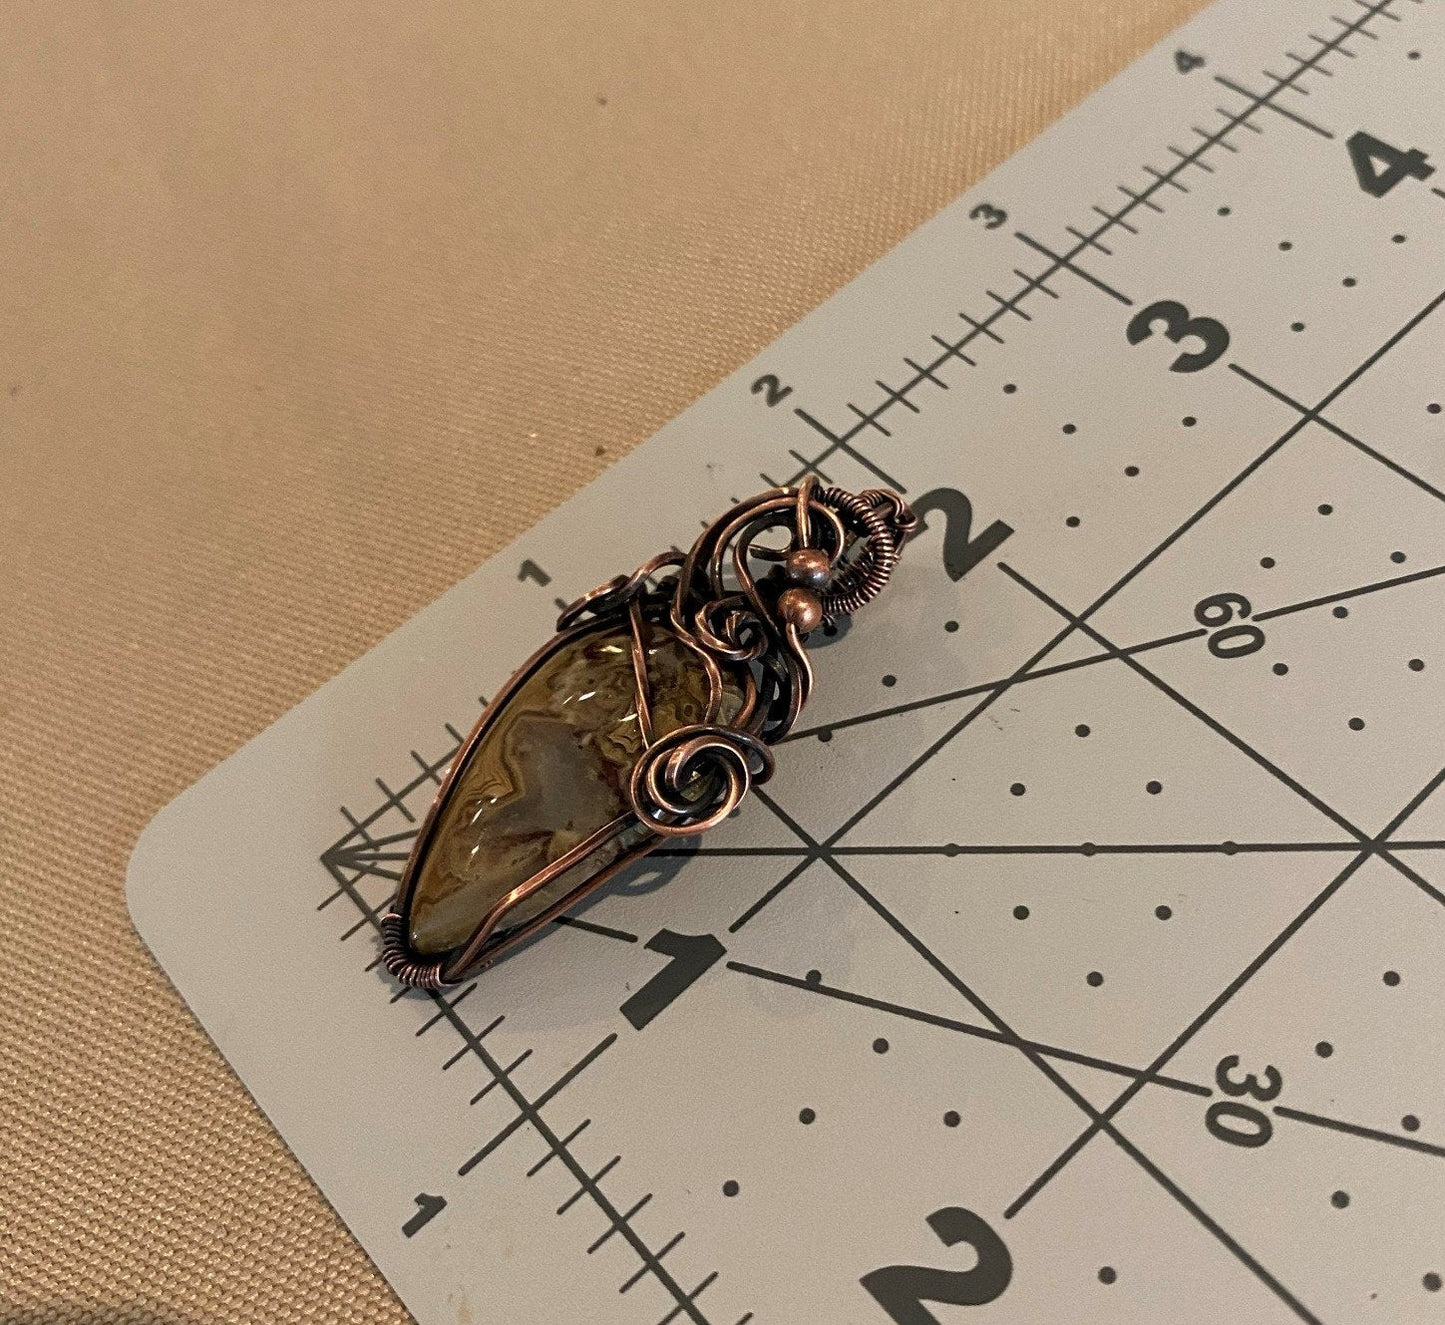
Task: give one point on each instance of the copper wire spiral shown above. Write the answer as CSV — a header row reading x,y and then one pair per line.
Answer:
x,y
665,780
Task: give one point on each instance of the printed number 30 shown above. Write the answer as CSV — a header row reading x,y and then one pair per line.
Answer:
x,y
901,1290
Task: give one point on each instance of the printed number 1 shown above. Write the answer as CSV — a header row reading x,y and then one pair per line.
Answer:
x,y
690,955
427,1208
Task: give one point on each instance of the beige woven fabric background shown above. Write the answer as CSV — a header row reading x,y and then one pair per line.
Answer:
x,y
304,311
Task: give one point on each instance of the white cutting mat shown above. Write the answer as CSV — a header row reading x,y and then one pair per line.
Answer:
x,y
1095,921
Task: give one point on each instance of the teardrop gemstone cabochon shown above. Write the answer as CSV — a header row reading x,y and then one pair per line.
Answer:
x,y
549,771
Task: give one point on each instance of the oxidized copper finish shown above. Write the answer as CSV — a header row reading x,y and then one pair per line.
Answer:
x,y
839,552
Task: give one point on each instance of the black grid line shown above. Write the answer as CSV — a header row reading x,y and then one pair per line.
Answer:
x,y
1234,739
1328,424
1369,850
822,990
1368,847
362,854
1030,664
1098,1121
1143,198
1238,742
354,857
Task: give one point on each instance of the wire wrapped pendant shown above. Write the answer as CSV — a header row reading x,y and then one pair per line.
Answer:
x,y
648,716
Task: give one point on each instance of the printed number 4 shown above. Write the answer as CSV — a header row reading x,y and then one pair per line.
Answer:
x,y
1379,166
901,1290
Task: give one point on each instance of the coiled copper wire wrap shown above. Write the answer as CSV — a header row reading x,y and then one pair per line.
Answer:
x,y
396,956
882,521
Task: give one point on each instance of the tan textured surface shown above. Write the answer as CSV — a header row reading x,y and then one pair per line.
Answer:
x,y
305,310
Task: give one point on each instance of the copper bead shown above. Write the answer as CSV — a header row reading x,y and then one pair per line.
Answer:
x,y
800,608
808,566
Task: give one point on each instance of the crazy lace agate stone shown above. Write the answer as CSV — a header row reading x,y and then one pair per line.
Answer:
x,y
552,770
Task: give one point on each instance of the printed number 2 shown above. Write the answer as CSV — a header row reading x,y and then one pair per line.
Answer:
x,y
901,1290
1379,166
962,551
1178,326
771,389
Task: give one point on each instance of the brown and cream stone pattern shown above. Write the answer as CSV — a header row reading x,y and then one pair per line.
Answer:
x,y
551,770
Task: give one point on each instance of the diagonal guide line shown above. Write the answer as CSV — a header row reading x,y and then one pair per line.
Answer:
x,y
1326,600
811,853
1330,426
808,858
1239,743
1079,1142
1419,880
1354,1129
1086,849
1374,358
1275,944
989,699
983,687
1102,1123
1159,180
1098,1121
965,1027
1028,666
1147,646
1011,1037
1143,564
394,798
1212,723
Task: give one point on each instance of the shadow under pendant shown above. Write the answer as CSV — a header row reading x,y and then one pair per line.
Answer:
x,y
647,716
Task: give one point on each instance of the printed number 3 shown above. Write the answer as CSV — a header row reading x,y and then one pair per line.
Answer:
x,y
901,1290
1177,326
